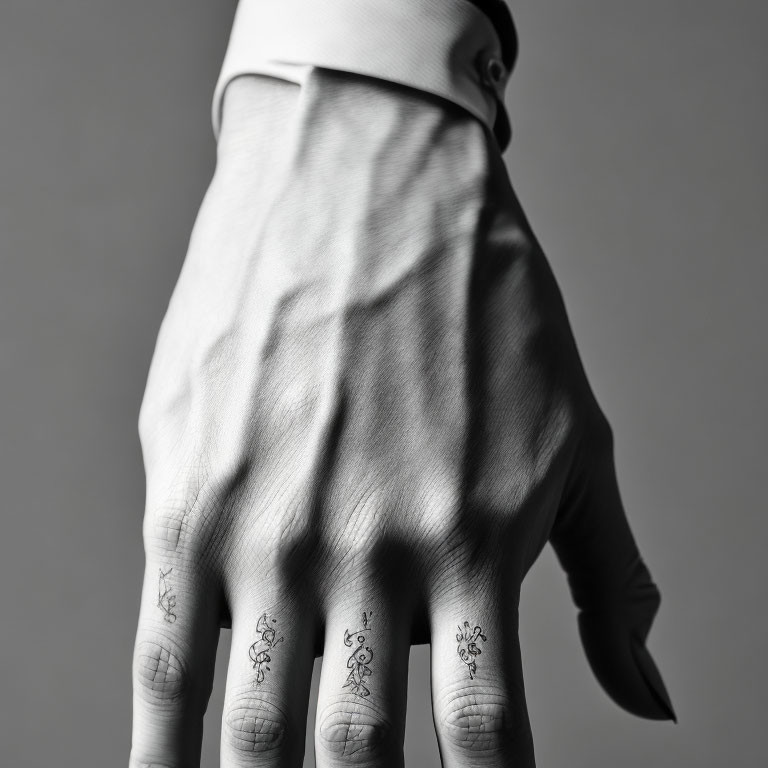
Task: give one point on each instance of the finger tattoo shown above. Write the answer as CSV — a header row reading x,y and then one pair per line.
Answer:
x,y
468,649
361,657
259,652
166,599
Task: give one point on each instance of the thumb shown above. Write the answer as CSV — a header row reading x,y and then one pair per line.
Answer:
x,y
609,582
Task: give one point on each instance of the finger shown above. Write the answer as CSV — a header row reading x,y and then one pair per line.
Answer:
x,y
363,685
173,664
478,697
268,681
610,583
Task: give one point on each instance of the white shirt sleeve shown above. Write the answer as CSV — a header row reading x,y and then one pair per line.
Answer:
x,y
448,48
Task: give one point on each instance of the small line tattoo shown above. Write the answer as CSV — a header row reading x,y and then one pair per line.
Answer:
x,y
166,599
361,657
259,651
468,650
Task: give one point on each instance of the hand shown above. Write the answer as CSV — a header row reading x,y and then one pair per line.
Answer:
x,y
365,416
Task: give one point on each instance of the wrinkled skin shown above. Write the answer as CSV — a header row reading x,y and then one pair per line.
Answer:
x,y
365,396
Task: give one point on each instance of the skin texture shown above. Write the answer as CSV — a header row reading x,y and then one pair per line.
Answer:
x,y
364,418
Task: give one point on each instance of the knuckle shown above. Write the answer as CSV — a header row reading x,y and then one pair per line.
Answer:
x,y
481,721
603,433
170,522
159,673
286,532
438,524
253,725
354,733
181,518
359,529
166,528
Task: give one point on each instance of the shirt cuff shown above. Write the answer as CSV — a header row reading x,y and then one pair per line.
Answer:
x,y
448,48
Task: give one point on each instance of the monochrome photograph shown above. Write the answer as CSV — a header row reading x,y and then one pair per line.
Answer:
x,y
383,384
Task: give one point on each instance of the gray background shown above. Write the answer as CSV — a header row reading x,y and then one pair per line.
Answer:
x,y
639,154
